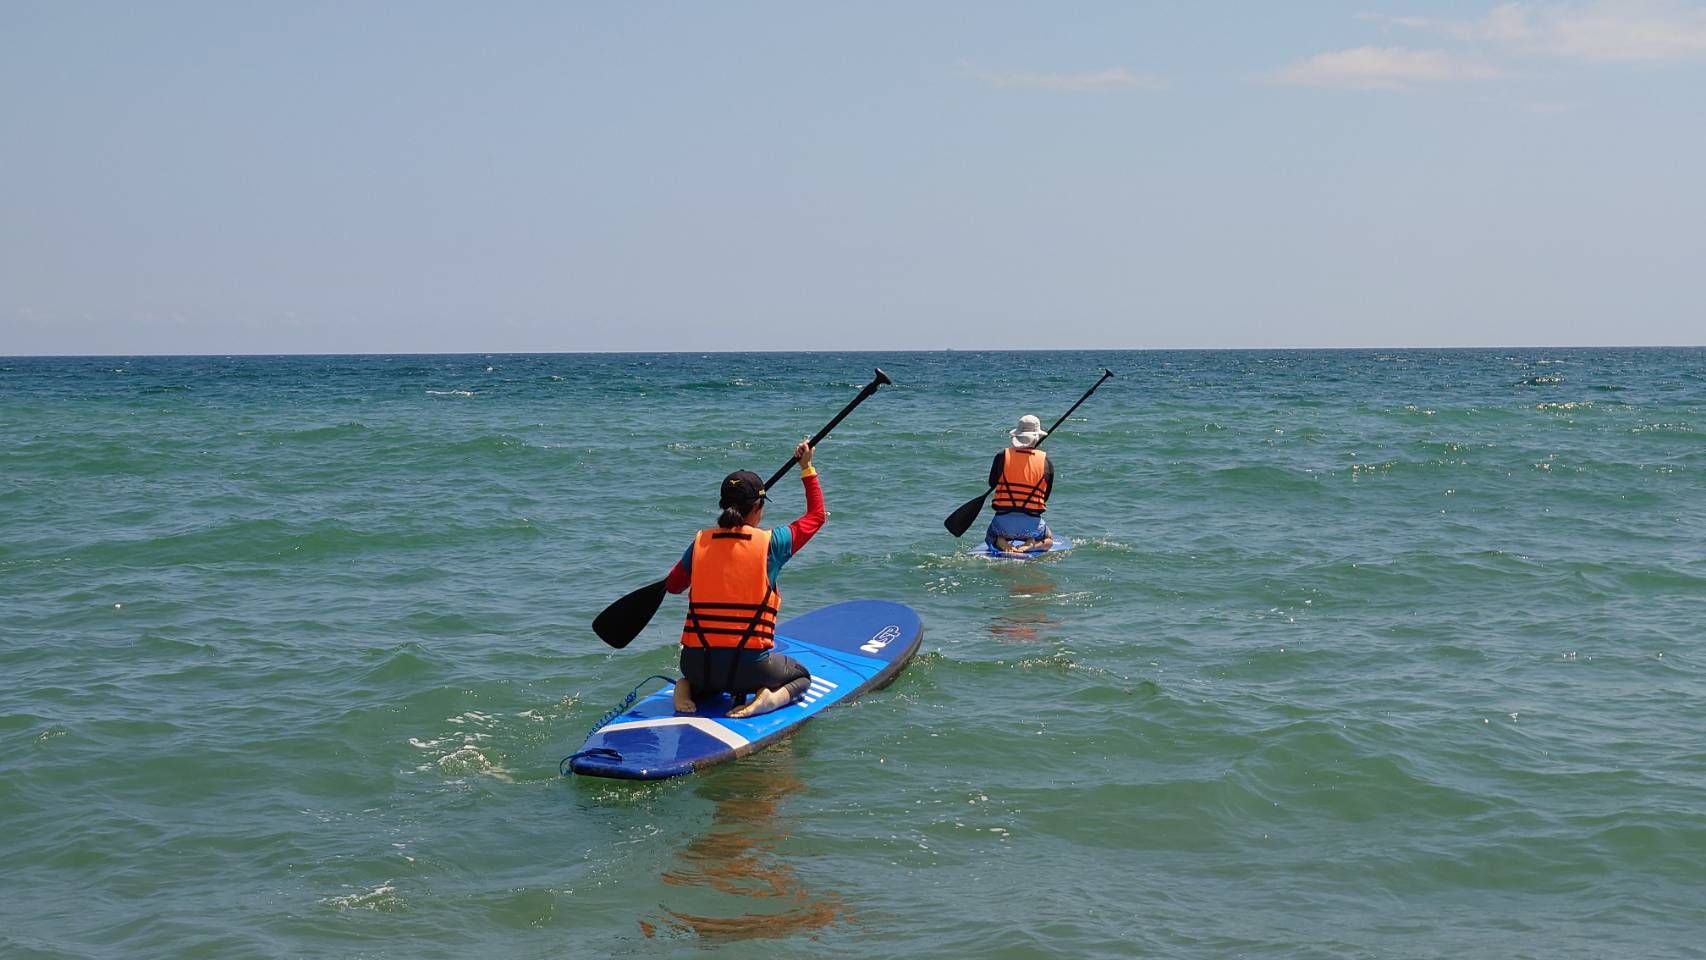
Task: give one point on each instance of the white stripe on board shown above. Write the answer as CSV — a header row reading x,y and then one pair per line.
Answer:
x,y
702,724
817,689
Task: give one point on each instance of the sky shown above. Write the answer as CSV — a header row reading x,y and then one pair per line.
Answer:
x,y
387,177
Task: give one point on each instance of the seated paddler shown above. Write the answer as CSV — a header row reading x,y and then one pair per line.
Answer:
x,y
1023,477
730,574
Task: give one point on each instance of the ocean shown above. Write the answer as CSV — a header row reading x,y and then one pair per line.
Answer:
x,y
1375,653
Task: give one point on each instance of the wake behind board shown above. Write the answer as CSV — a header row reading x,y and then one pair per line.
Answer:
x,y
849,648
1060,545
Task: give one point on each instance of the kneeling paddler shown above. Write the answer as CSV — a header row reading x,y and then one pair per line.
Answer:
x,y
1023,477
729,574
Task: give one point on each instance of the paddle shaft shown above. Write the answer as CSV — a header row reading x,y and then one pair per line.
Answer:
x,y
870,388
1106,373
622,621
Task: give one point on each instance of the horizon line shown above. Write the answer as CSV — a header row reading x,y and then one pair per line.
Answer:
x,y
737,353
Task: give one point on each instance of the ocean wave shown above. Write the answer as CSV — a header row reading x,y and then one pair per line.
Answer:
x,y
720,385
427,450
73,459
469,760
1663,580
336,431
1371,469
240,541
382,897
408,663
1261,477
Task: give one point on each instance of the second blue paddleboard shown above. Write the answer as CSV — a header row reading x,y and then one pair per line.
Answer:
x,y
1060,545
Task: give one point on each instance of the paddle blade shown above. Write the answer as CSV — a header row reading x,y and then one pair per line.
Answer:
x,y
623,620
961,520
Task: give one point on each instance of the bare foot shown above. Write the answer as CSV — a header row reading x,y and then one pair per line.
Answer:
x,y
1037,546
766,701
684,697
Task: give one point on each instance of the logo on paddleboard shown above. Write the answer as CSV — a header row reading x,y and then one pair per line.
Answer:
x,y
884,637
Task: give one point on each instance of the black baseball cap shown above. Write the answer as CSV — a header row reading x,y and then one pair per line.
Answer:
x,y
741,490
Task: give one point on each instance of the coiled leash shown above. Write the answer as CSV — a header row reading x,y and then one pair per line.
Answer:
x,y
606,753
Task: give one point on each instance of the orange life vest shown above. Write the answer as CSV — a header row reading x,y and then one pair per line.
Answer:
x,y
730,599
1021,483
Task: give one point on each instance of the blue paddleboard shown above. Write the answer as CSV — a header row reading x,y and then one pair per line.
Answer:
x,y
1060,545
849,648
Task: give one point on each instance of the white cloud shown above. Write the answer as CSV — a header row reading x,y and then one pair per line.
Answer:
x,y
1603,31
1607,32
1114,78
1381,68
1409,23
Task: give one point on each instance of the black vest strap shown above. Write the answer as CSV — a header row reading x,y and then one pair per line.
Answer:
x,y
751,628
744,620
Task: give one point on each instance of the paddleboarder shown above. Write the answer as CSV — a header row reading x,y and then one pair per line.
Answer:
x,y
1022,476
729,573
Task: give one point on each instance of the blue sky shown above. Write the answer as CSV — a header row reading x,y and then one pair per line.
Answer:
x,y
219,178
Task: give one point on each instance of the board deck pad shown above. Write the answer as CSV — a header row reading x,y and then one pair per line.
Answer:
x,y
849,647
1060,545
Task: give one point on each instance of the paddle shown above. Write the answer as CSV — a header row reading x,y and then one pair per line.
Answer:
x,y
960,520
623,620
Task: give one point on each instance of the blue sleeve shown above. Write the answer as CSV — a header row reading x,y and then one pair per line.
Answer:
x,y
687,559
781,550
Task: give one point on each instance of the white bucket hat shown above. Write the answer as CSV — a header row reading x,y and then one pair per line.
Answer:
x,y
1029,432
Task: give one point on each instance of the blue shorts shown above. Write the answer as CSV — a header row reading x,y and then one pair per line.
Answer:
x,y
1015,526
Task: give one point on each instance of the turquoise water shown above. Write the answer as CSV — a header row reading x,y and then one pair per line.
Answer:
x,y
1360,654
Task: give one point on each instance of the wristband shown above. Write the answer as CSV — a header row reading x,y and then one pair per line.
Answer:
x,y
808,471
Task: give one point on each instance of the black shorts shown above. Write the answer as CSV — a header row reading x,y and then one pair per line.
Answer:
x,y
706,670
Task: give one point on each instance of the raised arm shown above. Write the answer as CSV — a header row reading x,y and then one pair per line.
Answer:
x,y
813,519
